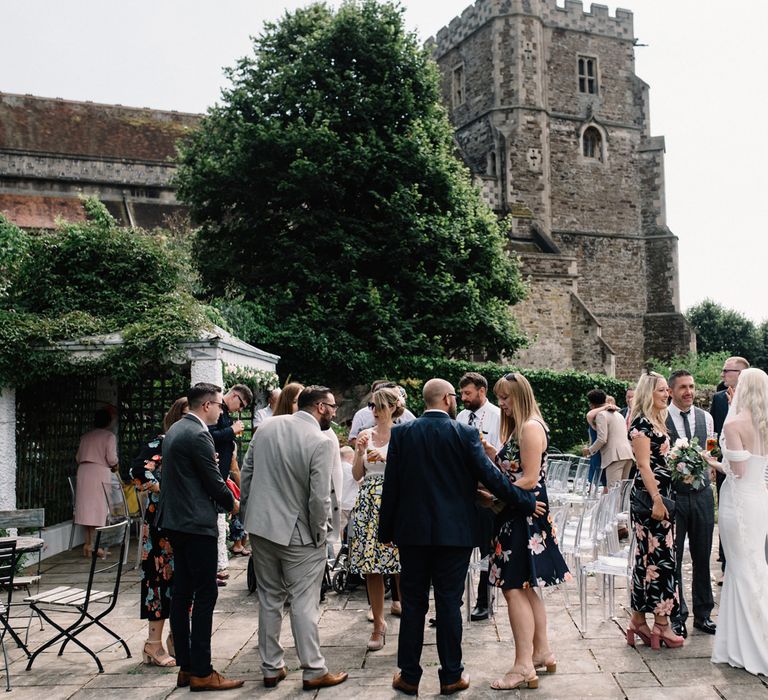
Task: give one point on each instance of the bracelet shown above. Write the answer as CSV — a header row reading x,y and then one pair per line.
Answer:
x,y
655,496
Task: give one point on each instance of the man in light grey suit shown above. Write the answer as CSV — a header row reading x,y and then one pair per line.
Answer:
x,y
285,487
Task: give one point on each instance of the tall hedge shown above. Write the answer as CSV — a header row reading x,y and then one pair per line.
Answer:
x,y
561,395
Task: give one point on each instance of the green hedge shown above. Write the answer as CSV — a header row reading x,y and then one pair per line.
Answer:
x,y
561,395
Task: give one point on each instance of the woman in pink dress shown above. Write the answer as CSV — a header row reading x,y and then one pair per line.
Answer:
x,y
96,460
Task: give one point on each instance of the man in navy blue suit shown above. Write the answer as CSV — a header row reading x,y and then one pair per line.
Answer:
x,y
434,465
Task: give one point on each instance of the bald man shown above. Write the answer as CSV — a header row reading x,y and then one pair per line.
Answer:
x,y
434,465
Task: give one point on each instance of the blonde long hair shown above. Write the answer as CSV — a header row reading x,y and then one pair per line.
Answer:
x,y
642,402
521,401
752,395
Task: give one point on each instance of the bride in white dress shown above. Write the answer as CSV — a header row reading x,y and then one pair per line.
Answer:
x,y
742,624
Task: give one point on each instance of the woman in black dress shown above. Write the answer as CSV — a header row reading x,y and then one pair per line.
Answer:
x,y
157,555
525,551
653,577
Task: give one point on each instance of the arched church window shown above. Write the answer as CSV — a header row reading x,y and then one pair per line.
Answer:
x,y
592,143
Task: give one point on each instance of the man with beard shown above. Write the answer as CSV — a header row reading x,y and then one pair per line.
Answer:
x,y
286,499
434,465
481,414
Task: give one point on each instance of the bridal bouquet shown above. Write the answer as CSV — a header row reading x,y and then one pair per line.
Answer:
x,y
687,464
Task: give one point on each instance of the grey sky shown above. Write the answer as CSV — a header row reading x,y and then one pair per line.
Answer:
x,y
705,62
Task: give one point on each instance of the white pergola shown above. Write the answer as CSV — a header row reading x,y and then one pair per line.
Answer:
x,y
207,356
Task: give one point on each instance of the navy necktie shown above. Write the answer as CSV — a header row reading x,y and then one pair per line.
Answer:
x,y
686,424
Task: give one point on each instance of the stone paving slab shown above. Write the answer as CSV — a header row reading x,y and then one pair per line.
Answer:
x,y
597,664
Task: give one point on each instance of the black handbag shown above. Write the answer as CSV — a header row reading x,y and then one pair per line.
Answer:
x,y
642,504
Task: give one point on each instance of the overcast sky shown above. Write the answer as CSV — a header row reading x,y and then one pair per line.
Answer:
x,y
705,62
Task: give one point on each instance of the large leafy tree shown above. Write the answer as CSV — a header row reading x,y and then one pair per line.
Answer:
x,y
719,329
337,226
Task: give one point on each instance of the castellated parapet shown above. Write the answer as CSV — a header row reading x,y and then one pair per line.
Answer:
x,y
571,16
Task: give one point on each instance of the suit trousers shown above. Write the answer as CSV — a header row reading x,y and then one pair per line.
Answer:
x,y
695,516
617,471
445,568
294,572
194,580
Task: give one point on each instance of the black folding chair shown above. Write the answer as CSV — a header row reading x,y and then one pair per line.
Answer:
x,y
7,570
79,601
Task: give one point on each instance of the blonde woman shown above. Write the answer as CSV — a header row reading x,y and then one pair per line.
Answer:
x,y
741,639
653,576
368,556
525,551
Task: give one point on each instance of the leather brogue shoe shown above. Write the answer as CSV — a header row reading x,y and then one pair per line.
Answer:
x,y
326,681
182,680
706,625
479,613
213,681
272,681
679,628
459,685
404,686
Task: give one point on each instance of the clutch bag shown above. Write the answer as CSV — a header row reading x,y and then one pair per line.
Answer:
x,y
642,504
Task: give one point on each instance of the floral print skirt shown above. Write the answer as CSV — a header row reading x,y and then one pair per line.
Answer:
x,y
366,554
653,577
156,574
526,553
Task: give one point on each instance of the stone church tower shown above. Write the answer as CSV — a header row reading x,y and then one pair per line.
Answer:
x,y
554,124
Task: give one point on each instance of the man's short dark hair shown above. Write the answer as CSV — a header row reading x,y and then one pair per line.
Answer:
x,y
245,393
677,374
475,378
596,397
200,393
312,394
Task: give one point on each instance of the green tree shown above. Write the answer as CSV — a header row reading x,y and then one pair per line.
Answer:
x,y
724,330
337,226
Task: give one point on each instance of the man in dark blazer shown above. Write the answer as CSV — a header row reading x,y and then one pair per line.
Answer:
x,y
721,401
192,487
434,465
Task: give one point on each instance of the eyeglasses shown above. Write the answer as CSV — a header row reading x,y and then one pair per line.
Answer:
x,y
371,405
243,403
724,370
454,395
220,404
334,406
511,377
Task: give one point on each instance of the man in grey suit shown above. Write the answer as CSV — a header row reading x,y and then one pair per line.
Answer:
x,y
285,486
192,487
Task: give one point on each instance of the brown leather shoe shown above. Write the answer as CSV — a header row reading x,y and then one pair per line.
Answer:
x,y
461,684
403,686
326,681
214,681
182,680
272,681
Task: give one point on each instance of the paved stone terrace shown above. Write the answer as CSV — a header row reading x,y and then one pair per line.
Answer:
x,y
599,665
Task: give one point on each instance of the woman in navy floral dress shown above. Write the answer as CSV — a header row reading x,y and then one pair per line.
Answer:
x,y
156,552
525,551
653,577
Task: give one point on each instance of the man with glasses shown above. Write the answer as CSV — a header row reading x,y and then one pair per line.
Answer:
x,y
729,375
192,490
224,433
287,499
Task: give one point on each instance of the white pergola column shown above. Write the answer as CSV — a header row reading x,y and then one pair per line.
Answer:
x,y
7,448
207,370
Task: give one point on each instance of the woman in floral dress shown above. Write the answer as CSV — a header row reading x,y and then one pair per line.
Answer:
x,y
653,577
526,554
157,555
367,555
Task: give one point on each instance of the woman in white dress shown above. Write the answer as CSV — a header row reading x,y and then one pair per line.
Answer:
x,y
742,624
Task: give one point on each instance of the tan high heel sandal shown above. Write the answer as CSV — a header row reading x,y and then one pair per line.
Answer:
x,y
515,679
153,654
549,663
169,645
378,639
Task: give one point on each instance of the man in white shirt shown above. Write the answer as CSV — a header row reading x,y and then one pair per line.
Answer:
x,y
480,413
263,413
695,508
350,487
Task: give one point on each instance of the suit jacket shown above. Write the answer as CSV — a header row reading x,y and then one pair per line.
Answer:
x,y
611,441
719,411
285,482
192,483
430,483
224,440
